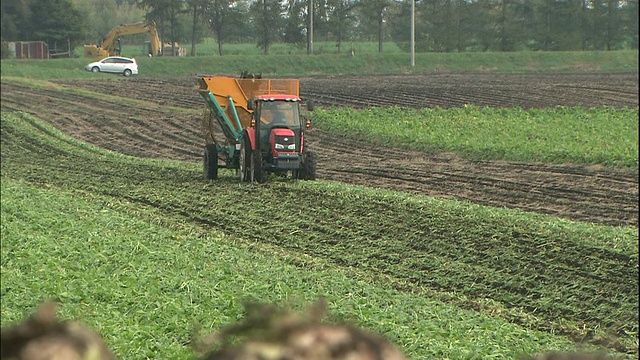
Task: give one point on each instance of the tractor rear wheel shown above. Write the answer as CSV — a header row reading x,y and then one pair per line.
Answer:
x,y
308,166
250,163
210,162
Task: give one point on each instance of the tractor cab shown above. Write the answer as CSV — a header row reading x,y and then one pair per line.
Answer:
x,y
285,113
279,130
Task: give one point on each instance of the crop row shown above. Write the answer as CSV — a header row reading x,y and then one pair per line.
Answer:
x,y
576,279
604,136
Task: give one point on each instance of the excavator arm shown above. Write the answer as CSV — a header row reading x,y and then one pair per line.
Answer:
x,y
108,45
154,40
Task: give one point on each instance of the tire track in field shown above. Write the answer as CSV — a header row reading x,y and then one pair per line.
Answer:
x,y
453,90
131,129
603,195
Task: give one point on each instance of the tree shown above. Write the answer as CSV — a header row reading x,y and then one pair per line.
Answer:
x,y
604,24
294,23
227,20
197,6
400,25
442,24
266,16
341,18
502,27
630,14
157,10
240,27
15,19
161,10
216,13
373,12
56,21
104,15
175,7
613,25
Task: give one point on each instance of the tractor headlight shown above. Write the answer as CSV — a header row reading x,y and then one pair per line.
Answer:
x,y
291,147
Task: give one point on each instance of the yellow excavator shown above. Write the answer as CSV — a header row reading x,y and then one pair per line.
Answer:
x,y
110,46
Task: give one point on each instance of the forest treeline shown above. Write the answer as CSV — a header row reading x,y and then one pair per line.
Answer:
x,y
439,25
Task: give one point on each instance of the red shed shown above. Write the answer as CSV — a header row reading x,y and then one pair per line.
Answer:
x,y
31,50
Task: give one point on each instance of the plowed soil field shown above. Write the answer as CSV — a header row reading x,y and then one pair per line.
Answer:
x,y
155,127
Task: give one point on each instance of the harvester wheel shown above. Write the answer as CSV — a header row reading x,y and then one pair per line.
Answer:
x,y
256,164
308,167
210,162
245,150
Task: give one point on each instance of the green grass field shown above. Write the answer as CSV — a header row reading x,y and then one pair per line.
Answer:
x,y
209,47
326,64
145,250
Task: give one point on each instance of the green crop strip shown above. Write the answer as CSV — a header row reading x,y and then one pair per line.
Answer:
x,y
552,275
604,136
144,281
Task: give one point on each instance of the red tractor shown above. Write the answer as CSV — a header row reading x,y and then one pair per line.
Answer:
x,y
262,126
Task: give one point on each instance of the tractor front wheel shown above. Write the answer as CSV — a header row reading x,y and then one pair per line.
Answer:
x,y
250,163
256,164
308,167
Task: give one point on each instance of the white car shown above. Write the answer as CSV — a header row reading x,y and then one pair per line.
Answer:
x,y
114,64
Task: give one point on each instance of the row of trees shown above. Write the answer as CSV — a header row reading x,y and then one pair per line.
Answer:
x,y
56,21
507,25
440,25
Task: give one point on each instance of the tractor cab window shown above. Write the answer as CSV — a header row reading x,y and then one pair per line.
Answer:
x,y
280,113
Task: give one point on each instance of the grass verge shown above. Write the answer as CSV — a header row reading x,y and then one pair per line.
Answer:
x,y
327,64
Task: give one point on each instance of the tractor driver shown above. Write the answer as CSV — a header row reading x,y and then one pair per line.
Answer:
x,y
279,118
276,114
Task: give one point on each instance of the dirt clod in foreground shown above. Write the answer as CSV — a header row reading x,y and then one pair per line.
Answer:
x,y
43,337
267,332
272,333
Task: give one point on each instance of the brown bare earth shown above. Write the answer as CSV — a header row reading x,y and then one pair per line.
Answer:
x,y
155,128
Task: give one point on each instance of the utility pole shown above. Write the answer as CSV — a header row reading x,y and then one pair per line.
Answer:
x,y
310,29
413,33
